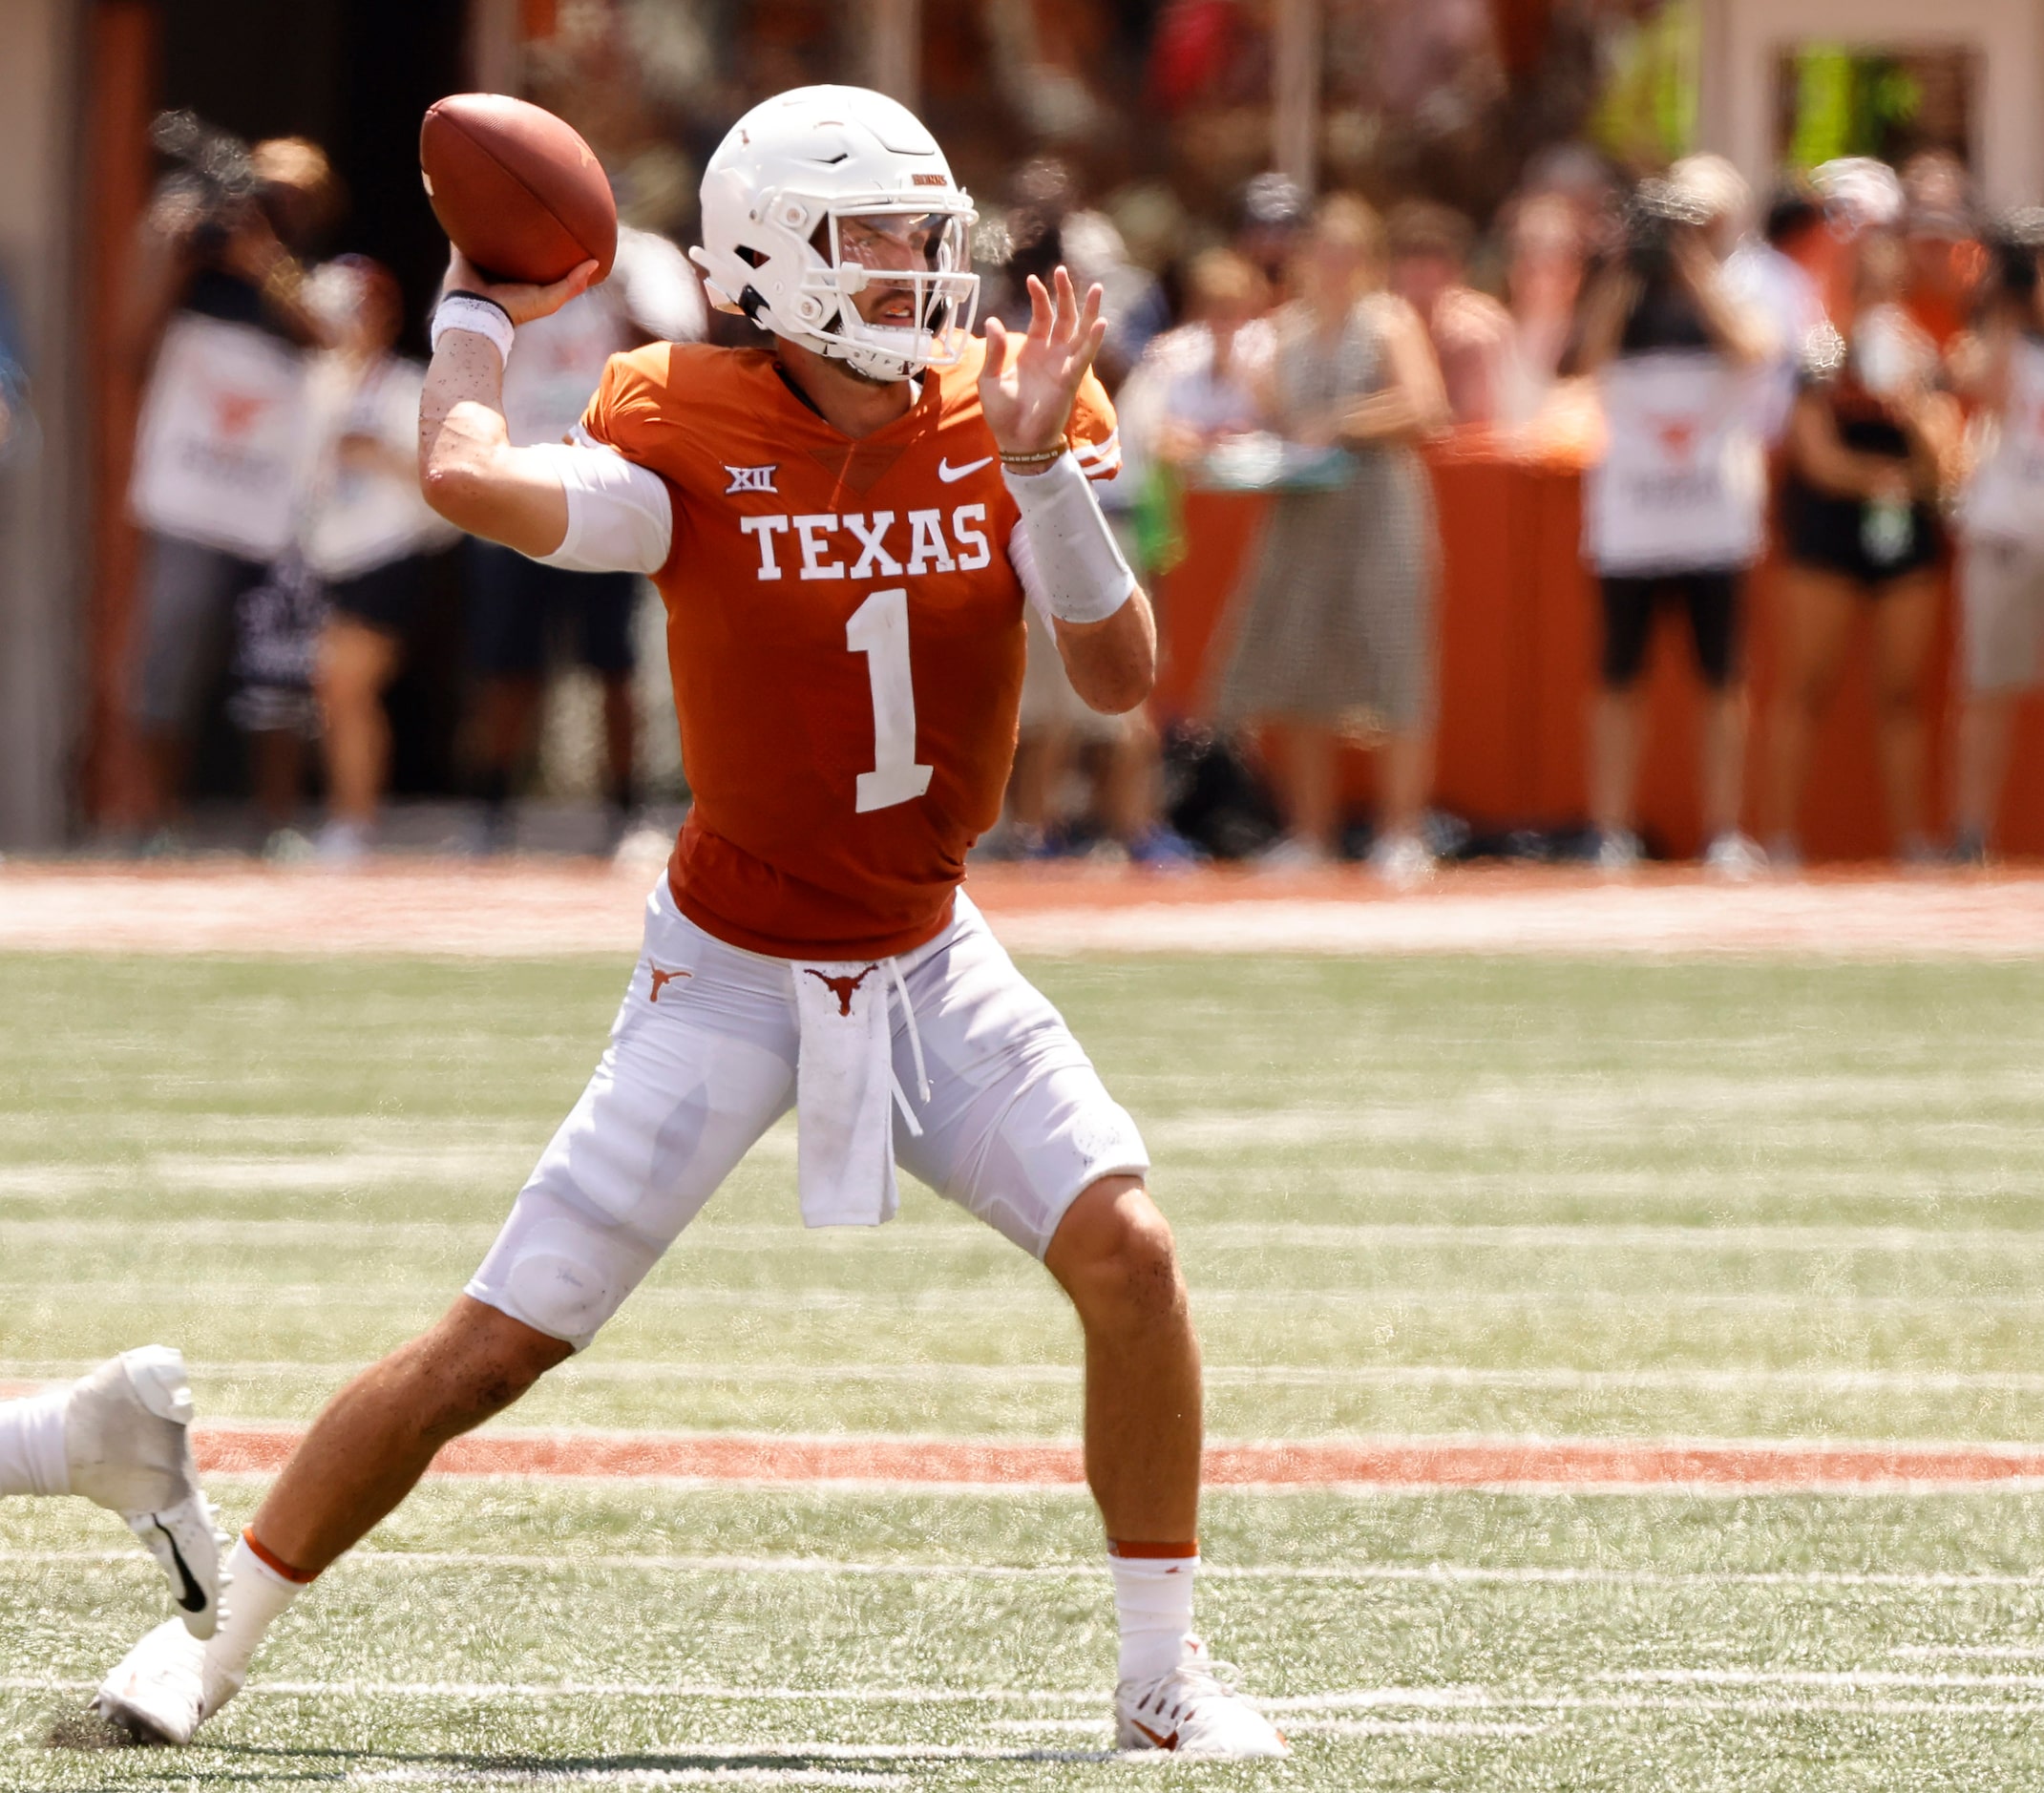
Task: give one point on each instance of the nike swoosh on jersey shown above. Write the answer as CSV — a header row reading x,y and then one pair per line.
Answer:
x,y
950,474
192,1600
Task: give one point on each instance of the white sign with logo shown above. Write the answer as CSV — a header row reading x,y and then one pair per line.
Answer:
x,y
1682,484
221,448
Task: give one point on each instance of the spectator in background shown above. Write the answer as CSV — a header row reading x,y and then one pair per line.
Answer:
x,y
1270,227
1203,381
1335,637
1946,258
216,300
368,535
1768,274
1542,282
1872,449
1470,331
2001,532
516,604
1195,384
1673,513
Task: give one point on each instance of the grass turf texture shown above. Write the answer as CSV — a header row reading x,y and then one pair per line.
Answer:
x,y
1755,1201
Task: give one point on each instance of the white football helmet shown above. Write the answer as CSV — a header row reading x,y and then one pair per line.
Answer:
x,y
776,196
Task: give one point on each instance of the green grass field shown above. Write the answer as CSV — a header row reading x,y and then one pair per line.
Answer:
x,y
1505,1197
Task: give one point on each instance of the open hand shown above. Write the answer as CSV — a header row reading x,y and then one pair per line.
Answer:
x,y
523,302
1028,398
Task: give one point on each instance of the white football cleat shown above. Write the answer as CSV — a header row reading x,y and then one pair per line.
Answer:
x,y
163,1689
128,1446
1193,1711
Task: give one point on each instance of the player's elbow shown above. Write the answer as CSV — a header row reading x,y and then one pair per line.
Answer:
x,y
454,488
1117,686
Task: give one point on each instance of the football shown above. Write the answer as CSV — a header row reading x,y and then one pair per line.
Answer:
x,y
515,189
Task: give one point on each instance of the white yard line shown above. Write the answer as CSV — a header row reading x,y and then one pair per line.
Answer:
x,y
256,1232
1816,1380
1448,1574
624,1777
1840,1679
1501,1701
871,1304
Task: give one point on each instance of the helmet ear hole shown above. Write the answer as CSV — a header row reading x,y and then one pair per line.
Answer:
x,y
751,258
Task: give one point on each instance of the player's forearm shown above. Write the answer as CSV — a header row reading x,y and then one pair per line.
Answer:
x,y
1111,664
469,472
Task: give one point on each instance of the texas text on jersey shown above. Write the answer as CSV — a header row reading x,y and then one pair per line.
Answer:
x,y
845,630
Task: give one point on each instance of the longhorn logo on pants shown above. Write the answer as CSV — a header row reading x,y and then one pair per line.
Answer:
x,y
842,988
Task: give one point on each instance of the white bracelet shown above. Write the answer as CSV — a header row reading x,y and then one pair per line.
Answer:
x,y
1079,563
478,316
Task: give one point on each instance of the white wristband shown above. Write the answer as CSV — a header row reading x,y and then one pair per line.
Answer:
x,y
1079,565
478,316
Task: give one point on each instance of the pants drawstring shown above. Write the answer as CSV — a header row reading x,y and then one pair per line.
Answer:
x,y
922,1075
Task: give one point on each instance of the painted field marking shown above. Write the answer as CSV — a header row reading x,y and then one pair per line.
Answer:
x,y
1501,1703
368,1561
1871,1678
33,1372
1578,1464
539,1776
1566,1236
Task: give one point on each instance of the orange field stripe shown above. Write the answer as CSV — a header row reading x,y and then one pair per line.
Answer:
x,y
1392,1463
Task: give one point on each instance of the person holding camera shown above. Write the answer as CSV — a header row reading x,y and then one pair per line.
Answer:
x,y
1872,449
216,316
2001,532
1674,512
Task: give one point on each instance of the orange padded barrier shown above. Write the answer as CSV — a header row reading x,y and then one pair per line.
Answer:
x,y
1518,640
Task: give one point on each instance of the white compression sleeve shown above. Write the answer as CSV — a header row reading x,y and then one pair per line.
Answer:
x,y
31,1445
1077,562
620,517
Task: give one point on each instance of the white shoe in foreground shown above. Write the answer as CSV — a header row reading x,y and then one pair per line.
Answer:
x,y
1193,1711
128,1447
163,1690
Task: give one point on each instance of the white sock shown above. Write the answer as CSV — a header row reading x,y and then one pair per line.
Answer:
x,y
31,1445
1153,1603
254,1603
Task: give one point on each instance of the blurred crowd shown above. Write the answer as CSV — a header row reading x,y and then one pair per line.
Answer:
x,y
1846,374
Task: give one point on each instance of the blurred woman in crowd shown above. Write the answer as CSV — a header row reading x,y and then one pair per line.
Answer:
x,y
1872,448
366,535
1671,513
1336,631
2001,529
1470,331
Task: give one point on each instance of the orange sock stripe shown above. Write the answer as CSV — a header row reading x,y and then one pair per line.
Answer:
x,y
1119,1546
271,1560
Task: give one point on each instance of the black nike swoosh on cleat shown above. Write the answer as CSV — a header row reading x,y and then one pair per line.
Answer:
x,y
192,1600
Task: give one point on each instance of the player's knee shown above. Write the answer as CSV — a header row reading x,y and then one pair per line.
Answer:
x,y
1118,1259
479,1360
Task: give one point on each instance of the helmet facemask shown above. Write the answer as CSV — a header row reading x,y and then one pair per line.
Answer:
x,y
910,264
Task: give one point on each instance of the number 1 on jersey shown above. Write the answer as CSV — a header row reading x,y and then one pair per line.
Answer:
x,y
879,629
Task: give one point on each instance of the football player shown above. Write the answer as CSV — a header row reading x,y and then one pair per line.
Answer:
x,y
845,529
120,1439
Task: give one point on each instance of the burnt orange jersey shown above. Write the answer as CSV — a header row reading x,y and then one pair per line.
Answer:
x,y
845,632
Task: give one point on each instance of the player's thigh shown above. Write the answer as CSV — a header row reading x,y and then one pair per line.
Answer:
x,y
1019,1122
701,1063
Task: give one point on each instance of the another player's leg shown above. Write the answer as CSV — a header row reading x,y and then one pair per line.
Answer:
x,y
362,1457
119,1438
1021,1131
701,1063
